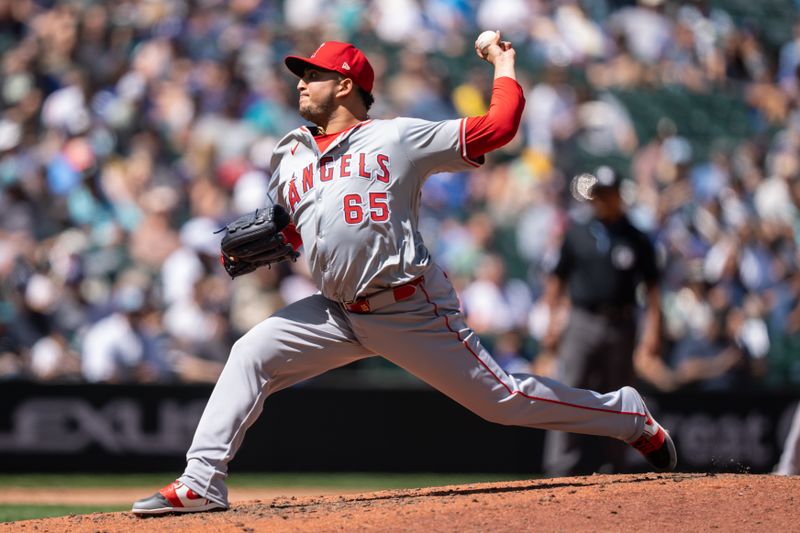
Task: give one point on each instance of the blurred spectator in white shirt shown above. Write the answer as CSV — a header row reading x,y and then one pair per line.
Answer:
x,y
493,303
119,348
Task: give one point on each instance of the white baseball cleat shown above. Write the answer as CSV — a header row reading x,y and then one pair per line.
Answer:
x,y
654,443
175,498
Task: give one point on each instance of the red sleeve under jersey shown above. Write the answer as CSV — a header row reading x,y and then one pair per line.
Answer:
x,y
292,236
499,125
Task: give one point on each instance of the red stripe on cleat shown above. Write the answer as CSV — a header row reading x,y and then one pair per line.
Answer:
x,y
646,444
169,493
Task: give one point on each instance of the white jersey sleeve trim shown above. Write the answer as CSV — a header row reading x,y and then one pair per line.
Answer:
x,y
462,141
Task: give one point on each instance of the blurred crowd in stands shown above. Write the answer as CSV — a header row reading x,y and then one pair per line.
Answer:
x,y
132,130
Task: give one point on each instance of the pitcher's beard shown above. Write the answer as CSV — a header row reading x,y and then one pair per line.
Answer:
x,y
318,114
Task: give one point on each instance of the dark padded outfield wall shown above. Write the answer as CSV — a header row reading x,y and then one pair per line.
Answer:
x,y
81,428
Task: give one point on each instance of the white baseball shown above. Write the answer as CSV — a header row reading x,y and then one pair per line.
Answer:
x,y
485,39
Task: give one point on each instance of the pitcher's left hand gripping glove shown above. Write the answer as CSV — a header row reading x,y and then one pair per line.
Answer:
x,y
255,240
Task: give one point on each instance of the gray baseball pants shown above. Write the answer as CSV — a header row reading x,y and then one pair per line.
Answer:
x,y
426,335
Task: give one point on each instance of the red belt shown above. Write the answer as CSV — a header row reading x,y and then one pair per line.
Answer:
x,y
383,298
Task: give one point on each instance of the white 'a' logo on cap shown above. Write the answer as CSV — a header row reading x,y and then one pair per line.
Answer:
x,y
345,66
318,49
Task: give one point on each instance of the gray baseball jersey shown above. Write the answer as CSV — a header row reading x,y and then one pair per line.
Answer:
x,y
356,205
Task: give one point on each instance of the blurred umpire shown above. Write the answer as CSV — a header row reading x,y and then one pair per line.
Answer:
x,y
602,262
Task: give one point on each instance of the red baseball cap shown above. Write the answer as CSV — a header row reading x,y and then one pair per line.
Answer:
x,y
343,58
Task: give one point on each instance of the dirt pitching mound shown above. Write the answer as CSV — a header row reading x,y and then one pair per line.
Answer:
x,y
642,502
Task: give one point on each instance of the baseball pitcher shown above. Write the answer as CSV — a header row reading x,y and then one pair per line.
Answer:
x,y
351,189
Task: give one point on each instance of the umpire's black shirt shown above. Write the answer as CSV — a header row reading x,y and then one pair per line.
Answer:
x,y
602,263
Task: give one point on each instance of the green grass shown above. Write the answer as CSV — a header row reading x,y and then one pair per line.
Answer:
x,y
343,481
10,513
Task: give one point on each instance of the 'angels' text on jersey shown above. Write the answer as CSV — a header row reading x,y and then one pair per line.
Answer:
x,y
348,165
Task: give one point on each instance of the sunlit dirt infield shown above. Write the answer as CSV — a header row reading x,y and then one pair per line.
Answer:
x,y
640,502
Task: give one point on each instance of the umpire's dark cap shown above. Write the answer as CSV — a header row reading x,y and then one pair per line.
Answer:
x,y
588,186
607,179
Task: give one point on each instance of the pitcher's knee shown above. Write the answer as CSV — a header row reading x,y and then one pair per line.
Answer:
x,y
497,413
503,417
245,354
253,350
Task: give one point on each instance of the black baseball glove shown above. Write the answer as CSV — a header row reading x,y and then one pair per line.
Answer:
x,y
255,240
